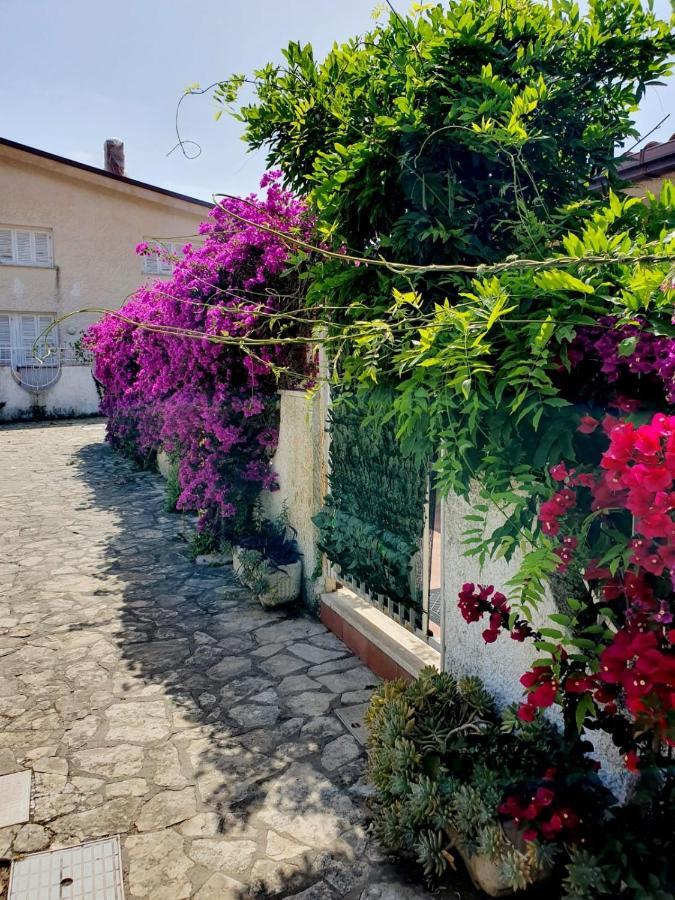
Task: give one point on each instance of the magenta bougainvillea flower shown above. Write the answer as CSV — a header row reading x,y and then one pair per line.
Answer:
x,y
168,383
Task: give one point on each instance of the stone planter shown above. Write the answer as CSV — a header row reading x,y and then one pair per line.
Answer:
x,y
224,558
282,584
163,463
485,873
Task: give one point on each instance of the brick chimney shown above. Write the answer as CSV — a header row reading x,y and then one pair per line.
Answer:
x,y
113,156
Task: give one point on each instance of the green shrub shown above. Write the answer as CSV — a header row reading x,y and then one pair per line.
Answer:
x,y
203,542
172,488
373,518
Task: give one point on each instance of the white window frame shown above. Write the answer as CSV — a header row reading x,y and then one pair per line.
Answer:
x,y
156,265
15,259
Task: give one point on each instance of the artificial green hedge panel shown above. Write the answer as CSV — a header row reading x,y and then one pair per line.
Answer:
x,y
373,517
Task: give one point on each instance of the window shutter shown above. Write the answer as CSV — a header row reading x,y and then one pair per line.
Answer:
x,y
166,265
43,322
6,253
5,341
151,264
28,331
23,247
24,252
43,253
157,265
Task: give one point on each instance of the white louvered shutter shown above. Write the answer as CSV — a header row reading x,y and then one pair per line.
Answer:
x,y
151,264
24,249
28,332
6,252
157,265
43,322
43,248
5,340
166,265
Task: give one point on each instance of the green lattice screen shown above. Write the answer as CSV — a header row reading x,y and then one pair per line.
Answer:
x,y
373,517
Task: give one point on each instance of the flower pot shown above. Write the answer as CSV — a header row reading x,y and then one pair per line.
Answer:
x,y
273,585
486,873
163,463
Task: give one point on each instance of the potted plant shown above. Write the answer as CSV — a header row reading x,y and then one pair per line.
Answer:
x,y
268,561
453,777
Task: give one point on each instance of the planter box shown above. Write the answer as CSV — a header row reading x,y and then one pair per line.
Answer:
x,y
283,583
223,558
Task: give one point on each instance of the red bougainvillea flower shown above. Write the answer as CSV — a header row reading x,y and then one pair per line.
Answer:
x,y
474,601
559,472
526,713
579,684
632,761
587,425
541,685
541,816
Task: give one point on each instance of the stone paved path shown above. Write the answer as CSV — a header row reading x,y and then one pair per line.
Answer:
x,y
152,698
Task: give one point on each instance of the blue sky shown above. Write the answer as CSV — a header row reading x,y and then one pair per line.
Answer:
x,y
78,71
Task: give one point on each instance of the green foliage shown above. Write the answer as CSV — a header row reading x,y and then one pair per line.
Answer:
x,y
633,857
440,763
172,487
373,517
203,542
464,134
427,137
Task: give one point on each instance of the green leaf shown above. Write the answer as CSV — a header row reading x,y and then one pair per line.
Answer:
x,y
627,346
561,280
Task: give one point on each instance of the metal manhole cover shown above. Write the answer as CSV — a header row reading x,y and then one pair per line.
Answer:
x,y
89,872
352,717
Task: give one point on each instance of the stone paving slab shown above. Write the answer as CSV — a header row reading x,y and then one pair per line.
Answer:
x,y
154,699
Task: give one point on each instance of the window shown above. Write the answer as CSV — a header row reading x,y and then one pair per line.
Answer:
x,y
18,333
158,265
25,247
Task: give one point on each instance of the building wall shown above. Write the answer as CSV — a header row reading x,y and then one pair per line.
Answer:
x,y
74,394
654,185
96,223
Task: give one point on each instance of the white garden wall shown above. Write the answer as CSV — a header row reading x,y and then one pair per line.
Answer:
x,y
299,464
74,394
498,665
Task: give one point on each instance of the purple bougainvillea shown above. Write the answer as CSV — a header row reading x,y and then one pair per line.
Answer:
x,y
627,350
212,403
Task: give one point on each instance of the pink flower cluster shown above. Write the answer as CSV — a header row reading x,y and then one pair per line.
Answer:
x,y
167,380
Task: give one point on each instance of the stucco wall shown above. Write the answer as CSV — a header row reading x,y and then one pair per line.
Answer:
x,y
73,394
501,664
95,223
654,185
299,465
498,665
